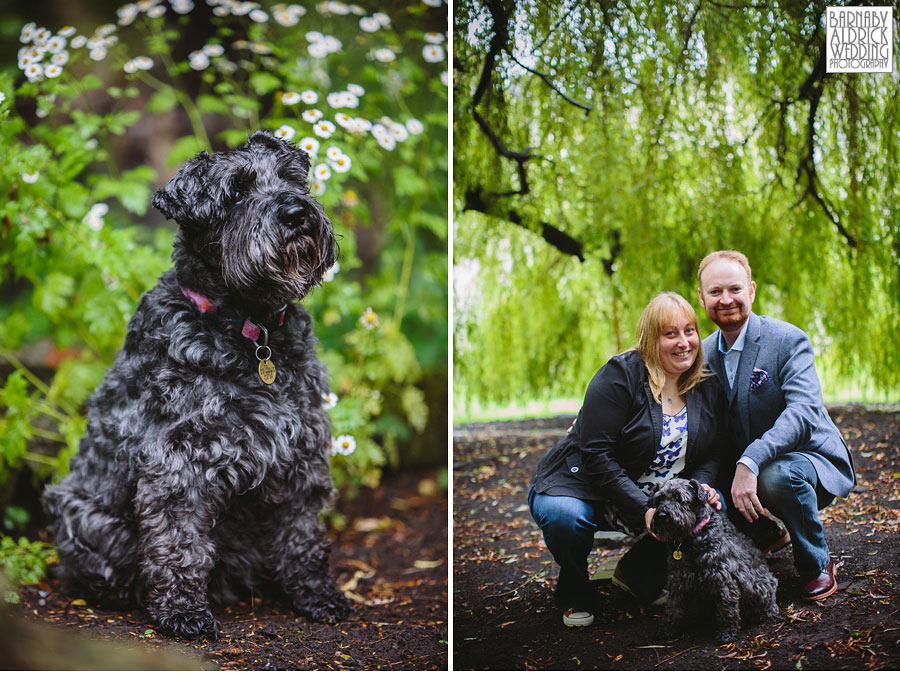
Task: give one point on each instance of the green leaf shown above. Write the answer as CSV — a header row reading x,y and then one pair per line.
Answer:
x,y
162,101
184,149
263,83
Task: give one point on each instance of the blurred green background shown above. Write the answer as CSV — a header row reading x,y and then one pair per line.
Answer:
x,y
602,149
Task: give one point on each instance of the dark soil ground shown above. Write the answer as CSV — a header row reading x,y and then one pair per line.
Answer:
x,y
391,560
503,575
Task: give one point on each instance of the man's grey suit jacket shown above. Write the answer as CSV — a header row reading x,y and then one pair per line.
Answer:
x,y
776,403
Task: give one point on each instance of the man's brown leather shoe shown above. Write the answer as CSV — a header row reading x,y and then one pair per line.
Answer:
x,y
822,586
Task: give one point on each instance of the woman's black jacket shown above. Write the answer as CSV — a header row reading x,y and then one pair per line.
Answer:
x,y
616,436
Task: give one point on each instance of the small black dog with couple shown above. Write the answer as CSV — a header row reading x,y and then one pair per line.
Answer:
x,y
688,446
205,463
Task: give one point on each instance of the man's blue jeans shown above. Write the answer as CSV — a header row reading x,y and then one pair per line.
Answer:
x,y
790,489
568,525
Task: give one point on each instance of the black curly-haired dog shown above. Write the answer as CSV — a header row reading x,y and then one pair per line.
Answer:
x,y
205,462
715,572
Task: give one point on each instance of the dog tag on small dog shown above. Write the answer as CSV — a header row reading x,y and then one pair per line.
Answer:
x,y
676,554
266,371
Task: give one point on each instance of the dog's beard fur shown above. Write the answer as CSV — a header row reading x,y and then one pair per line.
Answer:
x,y
263,258
680,506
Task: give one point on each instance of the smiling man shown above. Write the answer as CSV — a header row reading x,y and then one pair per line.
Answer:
x,y
788,457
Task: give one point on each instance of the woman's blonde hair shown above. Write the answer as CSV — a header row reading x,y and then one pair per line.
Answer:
x,y
659,314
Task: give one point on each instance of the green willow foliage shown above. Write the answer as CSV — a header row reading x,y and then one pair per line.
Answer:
x,y
641,138
363,91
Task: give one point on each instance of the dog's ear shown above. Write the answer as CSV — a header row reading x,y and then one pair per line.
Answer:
x,y
653,498
294,160
184,190
699,492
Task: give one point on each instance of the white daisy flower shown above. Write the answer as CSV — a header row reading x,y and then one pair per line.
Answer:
x,y
369,319
312,115
333,152
31,177
341,164
98,53
338,8
332,44
259,16
143,62
386,142
384,55
309,97
41,35
285,131
212,50
330,399
314,36
221,11
290,97
445,78
318,50
382,19
198,60
285,18
349,100
182,6
432,3
127,14
433,53
434,38
156,12
414,126
344,120
2,97
309,145
94,218
317,188
55,44
369,24
323,129
94,43
28,31
66,31
360,125
130,67
34,72
356,90
398,132
261,48
60,58
329,275
78,42
343,445
379,131
322,172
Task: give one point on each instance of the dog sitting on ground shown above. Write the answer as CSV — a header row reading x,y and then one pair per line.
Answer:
x,y
205,462
714,570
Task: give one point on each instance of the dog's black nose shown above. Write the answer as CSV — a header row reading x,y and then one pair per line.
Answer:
x,y
294,214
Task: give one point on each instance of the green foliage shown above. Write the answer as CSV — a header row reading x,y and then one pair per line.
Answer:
x,y
24,561
79,245
709,127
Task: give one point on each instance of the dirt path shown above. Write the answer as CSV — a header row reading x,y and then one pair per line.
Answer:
x,y
503,616
392,559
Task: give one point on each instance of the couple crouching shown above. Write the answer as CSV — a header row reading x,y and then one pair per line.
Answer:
x,y
751,424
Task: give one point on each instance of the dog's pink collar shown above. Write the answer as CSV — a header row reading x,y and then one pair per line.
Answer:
x,y
700,526
249,330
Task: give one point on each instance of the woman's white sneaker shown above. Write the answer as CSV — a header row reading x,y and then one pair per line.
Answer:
x,y
577,617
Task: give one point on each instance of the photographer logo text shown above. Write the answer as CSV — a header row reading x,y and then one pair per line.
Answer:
x,y
859,39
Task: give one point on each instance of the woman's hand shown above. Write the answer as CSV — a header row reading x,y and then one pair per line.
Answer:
x,y
648,516
713,497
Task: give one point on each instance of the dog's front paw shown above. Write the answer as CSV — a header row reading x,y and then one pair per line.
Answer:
x,y
190,625
724,635
329,609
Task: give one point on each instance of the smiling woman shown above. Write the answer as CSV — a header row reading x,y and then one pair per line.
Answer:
x,y
649,414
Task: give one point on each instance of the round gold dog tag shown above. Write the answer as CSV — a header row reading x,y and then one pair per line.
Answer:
x,y
676,554
266,371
